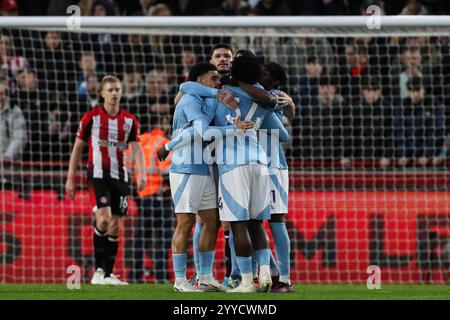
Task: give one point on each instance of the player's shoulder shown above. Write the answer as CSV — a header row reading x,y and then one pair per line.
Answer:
x,y
88,115
127,114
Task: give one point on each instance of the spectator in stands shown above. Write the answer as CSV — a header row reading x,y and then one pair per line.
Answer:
x,y
9,8
272,8
156,219
188,60
325,8
144,7
10,62
88,65
414,7
307,87
353,64
131,83
187,7
325,126
419,126
234,7
103,8
294,53
91,98
13,129
161,45
372,124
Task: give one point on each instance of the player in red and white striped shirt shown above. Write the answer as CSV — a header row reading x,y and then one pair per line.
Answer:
x,y
107,130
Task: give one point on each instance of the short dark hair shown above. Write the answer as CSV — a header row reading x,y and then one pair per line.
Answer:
x,y
328,80
371,83
200,69
221,46
312,59
277,72
246,69
244,52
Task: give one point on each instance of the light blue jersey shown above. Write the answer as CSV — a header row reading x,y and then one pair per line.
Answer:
x,y
274,162
185,159
244,148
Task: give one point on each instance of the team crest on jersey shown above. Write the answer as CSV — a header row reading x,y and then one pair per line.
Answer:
x,y
103,200
126,126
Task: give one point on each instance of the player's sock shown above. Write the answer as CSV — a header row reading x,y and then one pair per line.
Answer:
x,y
99,248
234,272
228,262
282,247
254,265
245,265
179,266
206,265
263,258
195,239
111,253
274,271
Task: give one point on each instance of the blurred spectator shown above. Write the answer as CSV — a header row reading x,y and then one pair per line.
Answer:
x,y
91,99
11,63
27,80
102,8
9,8
136,52
353,64
131,84
372,124
307,88
294,53
187,7
419,126
144,7
325,126
13,129
272,8
188,60
234,7
160,44
414,7
88,65
159,10
325,8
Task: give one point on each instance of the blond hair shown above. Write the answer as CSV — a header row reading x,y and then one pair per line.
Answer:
x,y
109,79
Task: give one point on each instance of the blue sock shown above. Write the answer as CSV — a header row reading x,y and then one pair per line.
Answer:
x,y
206,262
263,257
244,263
234,266
282,247
179,265
195,239
274,270
254,265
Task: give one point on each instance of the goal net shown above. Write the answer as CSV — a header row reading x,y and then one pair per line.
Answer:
x,y
367,154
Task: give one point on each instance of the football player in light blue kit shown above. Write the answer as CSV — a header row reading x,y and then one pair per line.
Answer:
x,y
244,177
193,189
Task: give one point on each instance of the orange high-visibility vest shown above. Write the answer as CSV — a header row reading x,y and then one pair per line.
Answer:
x,y
151,142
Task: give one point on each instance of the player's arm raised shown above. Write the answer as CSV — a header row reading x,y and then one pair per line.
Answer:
x,y
261,96
139,159
73,165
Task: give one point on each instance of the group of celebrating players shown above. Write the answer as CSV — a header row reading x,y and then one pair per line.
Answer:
x,y
228,170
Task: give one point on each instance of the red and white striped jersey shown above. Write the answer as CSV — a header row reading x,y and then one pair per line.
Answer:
x,y
108,137
16,63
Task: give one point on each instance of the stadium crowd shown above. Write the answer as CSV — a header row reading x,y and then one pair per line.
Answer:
x,y
374,99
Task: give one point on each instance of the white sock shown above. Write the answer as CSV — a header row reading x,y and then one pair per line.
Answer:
x,y
247,278
285,279
180,279
204,277
265,269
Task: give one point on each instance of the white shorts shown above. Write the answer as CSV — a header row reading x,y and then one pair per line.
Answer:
x,y
243,193
279,190
192,193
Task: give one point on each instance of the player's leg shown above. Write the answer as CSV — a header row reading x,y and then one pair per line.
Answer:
x,y
234,201
228,258
195,239
259,211
235,273
99,193
185,222
279,197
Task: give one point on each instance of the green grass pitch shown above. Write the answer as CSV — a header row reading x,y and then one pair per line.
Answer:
x,y
165,292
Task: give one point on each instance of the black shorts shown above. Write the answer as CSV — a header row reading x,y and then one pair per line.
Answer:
x,y
109,193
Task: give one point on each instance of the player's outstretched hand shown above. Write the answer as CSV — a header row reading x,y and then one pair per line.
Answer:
x,y
162,153
70,188
244,125
228,98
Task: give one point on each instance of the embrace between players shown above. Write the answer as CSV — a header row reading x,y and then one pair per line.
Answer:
x,y
243,189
